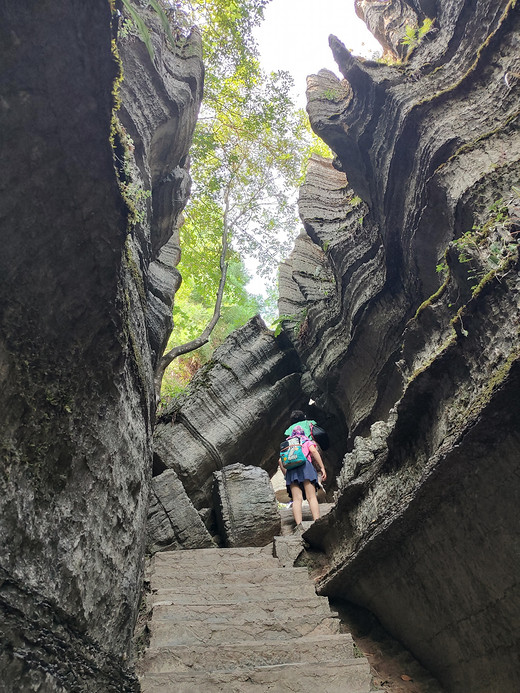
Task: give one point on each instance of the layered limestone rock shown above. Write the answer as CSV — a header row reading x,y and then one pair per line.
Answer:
x,y
159,112
325,287
79,336
388,21
427,146
235,410
415,337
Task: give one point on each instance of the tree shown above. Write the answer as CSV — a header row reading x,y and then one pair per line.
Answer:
x,y
192,312
246,155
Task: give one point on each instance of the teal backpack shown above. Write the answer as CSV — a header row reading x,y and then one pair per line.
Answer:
x,y
291,452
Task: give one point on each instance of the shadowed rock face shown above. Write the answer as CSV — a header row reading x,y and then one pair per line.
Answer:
x,y
422,363
328,292
78,336
427,148
173,522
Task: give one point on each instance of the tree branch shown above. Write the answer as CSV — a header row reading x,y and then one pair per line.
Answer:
x,y
203,338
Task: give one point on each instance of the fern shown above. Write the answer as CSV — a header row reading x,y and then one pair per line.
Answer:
x,y
164,21
141,27
424,28
413,35
410,37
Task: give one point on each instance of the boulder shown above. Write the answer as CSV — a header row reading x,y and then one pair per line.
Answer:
x,y
173,522
245,505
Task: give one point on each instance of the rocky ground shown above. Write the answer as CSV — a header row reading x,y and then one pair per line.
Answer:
x,y
393,668
236,620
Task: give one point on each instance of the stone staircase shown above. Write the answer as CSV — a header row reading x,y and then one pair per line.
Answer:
x,y
233,620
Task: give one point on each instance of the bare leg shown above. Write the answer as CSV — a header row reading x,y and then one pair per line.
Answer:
x,y
310,492
297,500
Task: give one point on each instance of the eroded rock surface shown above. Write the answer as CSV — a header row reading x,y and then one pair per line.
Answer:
x,y
245,505
159,112
173,522
388,21
416,337
77,340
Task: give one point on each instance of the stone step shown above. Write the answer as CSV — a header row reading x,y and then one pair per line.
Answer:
x,y
213,555
331,677
167,634
192,658
287,517
175,561
288,548
252,611
269,576
238,592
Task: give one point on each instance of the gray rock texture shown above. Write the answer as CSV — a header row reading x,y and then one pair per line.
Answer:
x,y
416,338
173,522
236,409
327,291
388,21
159,112
77,339
245,505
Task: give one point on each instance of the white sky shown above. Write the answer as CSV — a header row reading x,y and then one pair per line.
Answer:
x,y
294,37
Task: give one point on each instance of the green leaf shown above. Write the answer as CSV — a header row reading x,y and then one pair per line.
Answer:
x,y
164,21
141,28
425,28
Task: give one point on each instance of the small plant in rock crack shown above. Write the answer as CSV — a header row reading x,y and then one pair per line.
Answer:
x,y
331,94
277,324
491,246
415,34
135,20
137,196
128,174
299,319
302,328
125,28
388,59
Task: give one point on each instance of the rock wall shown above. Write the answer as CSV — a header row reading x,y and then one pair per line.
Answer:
x,y
405,309
81,290
159,110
